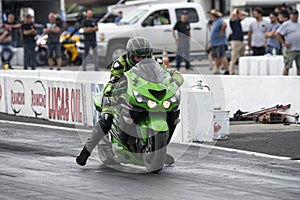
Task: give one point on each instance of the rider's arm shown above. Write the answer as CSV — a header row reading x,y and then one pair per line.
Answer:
x,y
116,72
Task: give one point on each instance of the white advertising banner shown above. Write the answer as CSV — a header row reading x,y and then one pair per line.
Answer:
x,y
90,90
26,97
2,95
65,102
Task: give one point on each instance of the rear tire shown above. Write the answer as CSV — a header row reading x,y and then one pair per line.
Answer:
x,y
155,155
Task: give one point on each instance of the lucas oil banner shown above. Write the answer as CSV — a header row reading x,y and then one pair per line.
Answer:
x,y
65,102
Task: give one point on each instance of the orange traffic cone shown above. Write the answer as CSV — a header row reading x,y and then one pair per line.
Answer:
x,y
165,58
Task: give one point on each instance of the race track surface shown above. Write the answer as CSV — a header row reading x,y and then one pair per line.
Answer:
x,y
39,163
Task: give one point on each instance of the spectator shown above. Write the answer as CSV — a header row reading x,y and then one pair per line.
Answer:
x,y
182,40
90,28
29,31
277,9
256,33
291,33
273,44
283,16
158,19
285,7
54,47
209,50
119,17
218,41
237,42
13,27
5,46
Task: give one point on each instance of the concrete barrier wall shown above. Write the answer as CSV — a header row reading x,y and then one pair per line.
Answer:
x,y
67,97
251,93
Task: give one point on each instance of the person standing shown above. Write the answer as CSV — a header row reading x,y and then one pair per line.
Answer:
x,y
29,31
283,16
182,40
290,31
218,41
256,33
273,44
237,42
90,28
54,47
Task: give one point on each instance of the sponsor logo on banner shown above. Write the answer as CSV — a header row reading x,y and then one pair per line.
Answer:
x,y
95,88
38,98
17,96
65,104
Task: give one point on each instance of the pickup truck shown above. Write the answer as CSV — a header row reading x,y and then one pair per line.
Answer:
x,y
112,38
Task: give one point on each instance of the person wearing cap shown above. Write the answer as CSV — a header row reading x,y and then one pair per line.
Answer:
x,y
256,34
273,44
218,41
28,30
237,42
182,40
291,33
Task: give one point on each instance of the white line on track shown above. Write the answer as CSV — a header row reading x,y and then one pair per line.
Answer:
x,y
263,155
191,144
45,126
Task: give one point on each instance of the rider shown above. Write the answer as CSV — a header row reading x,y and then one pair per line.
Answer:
x,y
137,49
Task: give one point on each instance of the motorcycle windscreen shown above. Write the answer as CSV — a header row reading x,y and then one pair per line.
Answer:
x,y
149,70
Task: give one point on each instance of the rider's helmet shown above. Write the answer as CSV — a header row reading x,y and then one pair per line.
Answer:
x,y
138,47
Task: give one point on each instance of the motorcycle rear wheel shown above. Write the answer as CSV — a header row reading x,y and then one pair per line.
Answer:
x,y
155,155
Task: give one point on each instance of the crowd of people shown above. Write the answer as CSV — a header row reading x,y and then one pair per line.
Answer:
x,y
277,36
28,29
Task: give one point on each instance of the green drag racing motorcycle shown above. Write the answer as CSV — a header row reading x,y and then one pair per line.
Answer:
x,y
145,106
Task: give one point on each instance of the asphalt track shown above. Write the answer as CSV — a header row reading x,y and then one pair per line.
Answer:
x,y
39,163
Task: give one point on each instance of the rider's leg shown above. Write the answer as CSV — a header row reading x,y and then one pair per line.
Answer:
x,y
99,131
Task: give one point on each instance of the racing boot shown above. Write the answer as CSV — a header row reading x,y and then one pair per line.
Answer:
x,y
169,160
99,131
83,156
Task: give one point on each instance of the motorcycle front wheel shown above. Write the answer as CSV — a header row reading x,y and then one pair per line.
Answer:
x,y
155,153
41,57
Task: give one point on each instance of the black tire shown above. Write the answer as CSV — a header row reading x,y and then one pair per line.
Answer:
x,y
115,50
41,57
78,60
155,155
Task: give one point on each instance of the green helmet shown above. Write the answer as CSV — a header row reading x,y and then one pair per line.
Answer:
x,y
138,46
